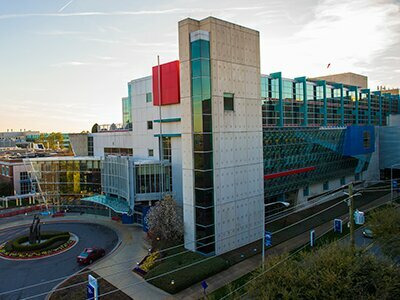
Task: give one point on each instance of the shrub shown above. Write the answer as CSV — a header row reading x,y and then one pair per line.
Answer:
x,y
52,240
150,261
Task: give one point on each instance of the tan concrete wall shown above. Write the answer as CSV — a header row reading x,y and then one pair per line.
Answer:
x,y
237,135
346,78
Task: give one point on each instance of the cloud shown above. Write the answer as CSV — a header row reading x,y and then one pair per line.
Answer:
x,y
351,35
59,32
129,13
65,6
71,63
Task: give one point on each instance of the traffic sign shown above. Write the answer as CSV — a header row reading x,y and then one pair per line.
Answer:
x,y
359,217
395,183
312,238
268,238
204,285
92,288
337,225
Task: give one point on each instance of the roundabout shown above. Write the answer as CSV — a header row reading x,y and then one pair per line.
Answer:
x,y
55,244
41,274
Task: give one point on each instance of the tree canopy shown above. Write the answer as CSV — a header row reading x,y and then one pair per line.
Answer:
x,y
165,223
332,272
385,225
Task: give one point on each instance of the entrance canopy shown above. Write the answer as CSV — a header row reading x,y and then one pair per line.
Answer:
x,y
117,205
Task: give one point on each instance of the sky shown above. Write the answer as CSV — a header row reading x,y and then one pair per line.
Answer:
x,y
65,64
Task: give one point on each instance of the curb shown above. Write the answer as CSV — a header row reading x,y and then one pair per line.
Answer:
x,y
87,267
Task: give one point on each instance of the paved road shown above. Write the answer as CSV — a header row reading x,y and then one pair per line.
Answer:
x,y
19,274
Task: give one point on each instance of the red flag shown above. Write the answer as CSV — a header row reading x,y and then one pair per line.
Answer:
x,y
328,65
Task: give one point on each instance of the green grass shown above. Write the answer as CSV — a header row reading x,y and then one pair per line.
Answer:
x,y
204,267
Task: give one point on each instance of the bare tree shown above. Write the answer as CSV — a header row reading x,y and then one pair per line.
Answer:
x,y
165,223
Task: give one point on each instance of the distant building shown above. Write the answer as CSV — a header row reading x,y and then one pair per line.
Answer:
x,y
349,78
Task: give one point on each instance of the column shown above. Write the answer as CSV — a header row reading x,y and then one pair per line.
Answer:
x,y
305,104
278,75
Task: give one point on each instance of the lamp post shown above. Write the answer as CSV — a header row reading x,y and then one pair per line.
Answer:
x,y
286,204
391,181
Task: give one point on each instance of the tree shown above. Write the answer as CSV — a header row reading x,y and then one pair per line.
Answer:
x,y
95,128
385,225
165,223
6,188
331,272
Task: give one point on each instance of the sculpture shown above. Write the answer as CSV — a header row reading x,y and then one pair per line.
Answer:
x,y
34,231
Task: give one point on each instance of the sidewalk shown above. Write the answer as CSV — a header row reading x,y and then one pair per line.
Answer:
x,y
225,277
131,247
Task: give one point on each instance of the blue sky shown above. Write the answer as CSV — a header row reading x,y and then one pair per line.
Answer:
x,y
64,65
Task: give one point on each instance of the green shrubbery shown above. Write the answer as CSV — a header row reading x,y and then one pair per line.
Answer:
x,y
52,240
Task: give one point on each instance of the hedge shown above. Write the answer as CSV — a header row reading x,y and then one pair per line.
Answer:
x,y
51,239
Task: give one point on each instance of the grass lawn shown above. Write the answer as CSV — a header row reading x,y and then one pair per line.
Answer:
x,y
204,267
79,292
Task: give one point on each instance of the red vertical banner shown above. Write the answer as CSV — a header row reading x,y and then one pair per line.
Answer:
x,y
169,85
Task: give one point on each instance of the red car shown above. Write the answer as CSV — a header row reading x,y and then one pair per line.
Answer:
x,y
89,255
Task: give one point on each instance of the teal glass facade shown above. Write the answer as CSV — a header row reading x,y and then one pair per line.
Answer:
x,y
304,128
127,112
203,148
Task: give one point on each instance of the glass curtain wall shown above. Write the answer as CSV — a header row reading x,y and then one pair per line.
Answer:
x,y
203,149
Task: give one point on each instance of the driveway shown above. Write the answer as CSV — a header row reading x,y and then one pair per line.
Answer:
x,y
19,274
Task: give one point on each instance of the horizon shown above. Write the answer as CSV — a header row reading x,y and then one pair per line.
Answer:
x,y
66,64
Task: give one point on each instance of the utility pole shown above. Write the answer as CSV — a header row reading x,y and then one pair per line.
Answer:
x,y
351,216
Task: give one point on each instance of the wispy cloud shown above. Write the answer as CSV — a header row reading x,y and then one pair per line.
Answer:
x,y
130,13
65,6
71,63
59,32
348,34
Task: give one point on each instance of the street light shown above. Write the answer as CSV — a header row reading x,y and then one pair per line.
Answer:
x,y
286,204
391,181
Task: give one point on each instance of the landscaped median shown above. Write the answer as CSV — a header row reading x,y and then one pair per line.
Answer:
x,y
52,243
190,268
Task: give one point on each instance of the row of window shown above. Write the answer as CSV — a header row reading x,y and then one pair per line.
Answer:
x,y
306,190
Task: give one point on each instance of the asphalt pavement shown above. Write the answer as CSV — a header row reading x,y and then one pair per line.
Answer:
x,y
18,274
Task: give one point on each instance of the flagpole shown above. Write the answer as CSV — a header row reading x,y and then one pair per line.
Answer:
x,y
161,150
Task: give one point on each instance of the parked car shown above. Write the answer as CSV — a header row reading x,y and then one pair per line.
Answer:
x,y
89,255
367,232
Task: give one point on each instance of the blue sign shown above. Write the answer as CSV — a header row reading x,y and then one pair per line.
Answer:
x,y
92,288
89,292
359,217
312,238
337,225
395,183
204,285
268,238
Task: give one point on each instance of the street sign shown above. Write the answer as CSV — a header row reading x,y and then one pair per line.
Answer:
x,y
337,225
312,238
204,285
89,292
359,217
268,238
92,288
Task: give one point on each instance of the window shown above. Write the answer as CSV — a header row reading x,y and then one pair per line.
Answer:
x,y
326,185
151,152
149,97
306,191
367,139
343,181
149,125
228,101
